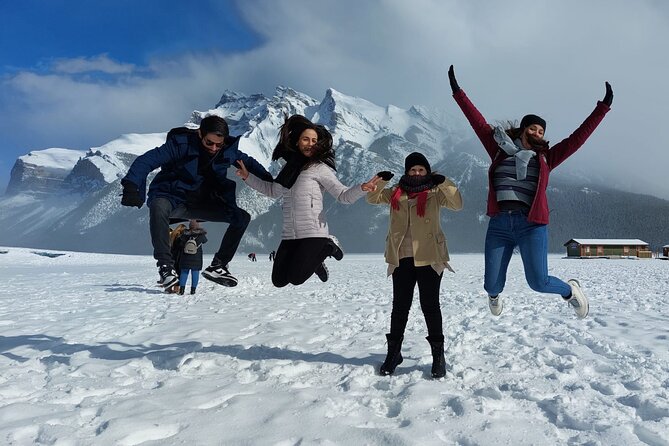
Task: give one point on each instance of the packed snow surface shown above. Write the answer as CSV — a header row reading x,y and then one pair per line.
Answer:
x,y
93,352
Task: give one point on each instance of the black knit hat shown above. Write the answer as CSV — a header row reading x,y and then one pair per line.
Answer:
x,y
416,159
528,120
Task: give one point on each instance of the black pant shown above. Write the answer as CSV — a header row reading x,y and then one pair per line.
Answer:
x,y
296,260
405,278
161,211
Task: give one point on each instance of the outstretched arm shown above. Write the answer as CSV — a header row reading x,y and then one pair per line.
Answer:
x,y
481,127
271,189
134,182
565,148
381,195
448,193
340,192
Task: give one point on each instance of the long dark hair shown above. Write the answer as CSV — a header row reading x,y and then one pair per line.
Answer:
x,y
289,134
511,128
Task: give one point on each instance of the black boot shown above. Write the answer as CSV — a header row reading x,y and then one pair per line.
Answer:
x,y
182,289
438,359
394,357
192,290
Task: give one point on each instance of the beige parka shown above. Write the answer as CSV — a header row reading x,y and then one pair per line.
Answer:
x,y
429,241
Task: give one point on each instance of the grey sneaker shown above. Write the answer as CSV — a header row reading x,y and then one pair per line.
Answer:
x,y
168,276
495,305
578,301
322,272
337,252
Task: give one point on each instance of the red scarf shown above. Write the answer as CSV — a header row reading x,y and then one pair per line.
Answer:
x,y
421,200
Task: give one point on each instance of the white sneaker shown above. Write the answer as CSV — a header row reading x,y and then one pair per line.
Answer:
x,y
219,273
495,305
578,300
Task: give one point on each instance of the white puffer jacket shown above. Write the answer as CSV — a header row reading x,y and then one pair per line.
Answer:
x,y
303,214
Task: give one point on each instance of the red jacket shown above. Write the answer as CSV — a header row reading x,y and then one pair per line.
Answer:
x,y
553,157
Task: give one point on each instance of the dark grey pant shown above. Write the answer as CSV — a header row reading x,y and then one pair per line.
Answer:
x,y
161,211
297,260
405,278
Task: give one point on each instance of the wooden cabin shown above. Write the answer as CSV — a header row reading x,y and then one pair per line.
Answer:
x,y
608,248
665,251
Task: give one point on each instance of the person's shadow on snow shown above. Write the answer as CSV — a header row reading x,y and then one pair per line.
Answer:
x,y
172,356
135,288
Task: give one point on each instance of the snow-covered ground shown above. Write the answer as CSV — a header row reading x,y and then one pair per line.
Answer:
x,y
94,353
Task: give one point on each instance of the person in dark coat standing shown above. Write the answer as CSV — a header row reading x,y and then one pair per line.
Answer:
x,y
517,205
192,184
190,262
416,252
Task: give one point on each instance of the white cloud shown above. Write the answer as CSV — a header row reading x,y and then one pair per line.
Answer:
x,y
540,56
101,63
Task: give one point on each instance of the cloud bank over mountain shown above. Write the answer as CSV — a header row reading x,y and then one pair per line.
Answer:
x,y
513,58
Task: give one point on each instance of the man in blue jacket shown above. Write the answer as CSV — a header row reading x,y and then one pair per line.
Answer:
x,y
192,184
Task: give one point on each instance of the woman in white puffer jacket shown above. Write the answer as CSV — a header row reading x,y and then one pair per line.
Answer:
x,y
309,171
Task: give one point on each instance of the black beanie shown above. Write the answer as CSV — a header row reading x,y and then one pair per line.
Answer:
x,y
528,120
416,159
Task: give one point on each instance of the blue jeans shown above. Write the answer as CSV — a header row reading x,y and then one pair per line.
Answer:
x,y
195,277
508,230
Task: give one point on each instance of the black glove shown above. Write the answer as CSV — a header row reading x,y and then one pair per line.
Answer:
x,y
608,97
385,175
438,179
131,196
451,78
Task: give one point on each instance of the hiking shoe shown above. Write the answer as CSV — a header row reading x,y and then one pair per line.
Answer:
x,y
337,251
495,305
217,272
578,301
168,276
322,272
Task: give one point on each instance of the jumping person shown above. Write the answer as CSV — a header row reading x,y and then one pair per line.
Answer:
x,y
192,184
309,171
517,206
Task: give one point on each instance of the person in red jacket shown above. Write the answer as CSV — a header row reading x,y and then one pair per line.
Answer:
x,y
517,206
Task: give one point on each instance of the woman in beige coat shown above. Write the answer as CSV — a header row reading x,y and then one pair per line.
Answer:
x,y
416,252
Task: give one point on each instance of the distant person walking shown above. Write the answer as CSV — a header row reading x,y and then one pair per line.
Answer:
x,y
416,252
309,172
271,256
517,205
192,184
191,241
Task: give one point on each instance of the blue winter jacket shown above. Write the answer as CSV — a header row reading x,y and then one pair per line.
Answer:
x,y
178,159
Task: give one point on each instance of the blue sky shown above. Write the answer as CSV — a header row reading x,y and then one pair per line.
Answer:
x,y
77,74
34,33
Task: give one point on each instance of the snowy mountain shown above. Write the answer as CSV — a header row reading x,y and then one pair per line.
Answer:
x,y
69,199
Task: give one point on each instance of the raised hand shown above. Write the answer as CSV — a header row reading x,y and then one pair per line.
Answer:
x,y
131,196
608,97
437,179
385,175
241,172
370,186
451,78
